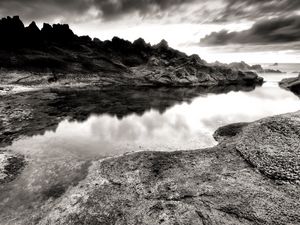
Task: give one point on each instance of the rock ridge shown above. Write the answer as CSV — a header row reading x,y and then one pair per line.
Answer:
x,y
54,54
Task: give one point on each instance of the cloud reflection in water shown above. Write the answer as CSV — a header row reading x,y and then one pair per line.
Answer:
x,y
184,126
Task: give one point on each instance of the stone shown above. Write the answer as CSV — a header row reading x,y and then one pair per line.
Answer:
x,y
219,185
55,49
292,84
250,177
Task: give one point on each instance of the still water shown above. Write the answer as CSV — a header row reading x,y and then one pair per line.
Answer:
x,y
187,125
60,158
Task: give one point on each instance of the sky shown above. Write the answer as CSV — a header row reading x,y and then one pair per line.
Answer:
x,y
254,31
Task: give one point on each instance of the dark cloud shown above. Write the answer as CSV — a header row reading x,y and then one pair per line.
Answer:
x,y
111,9
43,9
70,9
257,9
195,11
272,31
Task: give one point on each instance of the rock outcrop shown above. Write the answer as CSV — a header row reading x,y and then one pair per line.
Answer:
x,y
55,54
251,177
246,67
292,84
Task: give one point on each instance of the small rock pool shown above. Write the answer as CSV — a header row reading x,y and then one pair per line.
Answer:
x,y
95,126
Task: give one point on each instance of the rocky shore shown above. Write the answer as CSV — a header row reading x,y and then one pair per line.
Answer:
x,y
292,84
251,177
55,55
242,66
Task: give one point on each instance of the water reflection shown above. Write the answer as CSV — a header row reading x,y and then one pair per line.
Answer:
x,y
33,113
184,126
126,121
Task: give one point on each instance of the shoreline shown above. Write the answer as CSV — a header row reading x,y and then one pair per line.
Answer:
x,y
135,184
247,178
118,178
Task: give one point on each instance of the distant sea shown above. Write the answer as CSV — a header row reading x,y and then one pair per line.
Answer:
x,y
289,69
284,67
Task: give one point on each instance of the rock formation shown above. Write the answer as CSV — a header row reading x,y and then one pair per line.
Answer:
x,y
246,67
292,84
251,177
56,54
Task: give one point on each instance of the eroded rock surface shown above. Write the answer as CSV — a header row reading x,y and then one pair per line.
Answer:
x,y
273,146
237,182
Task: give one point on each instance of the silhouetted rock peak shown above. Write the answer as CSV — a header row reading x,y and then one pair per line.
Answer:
x,y
10,24
57,32
97,40
62,28
46,28
140,43
120,41
162,44
33,27
14,34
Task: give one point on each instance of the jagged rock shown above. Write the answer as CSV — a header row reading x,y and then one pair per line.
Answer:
x,y
245,67
32,35
141,44
33,28
163,44
56,49
12,29
46,29
257,68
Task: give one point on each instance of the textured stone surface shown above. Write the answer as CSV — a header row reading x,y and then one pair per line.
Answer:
x,y
240,181
11,164
273,146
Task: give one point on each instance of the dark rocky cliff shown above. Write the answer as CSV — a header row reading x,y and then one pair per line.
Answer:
x,y
57,53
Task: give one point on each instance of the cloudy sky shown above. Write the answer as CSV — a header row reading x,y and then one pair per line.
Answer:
x,y
256,31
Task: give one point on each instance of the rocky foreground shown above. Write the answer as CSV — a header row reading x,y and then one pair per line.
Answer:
x,y
251,177
292,84
55,55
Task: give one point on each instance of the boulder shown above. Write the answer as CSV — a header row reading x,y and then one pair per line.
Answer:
x,y
292,84
249,178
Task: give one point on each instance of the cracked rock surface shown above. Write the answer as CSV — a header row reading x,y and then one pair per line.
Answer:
x,y
249,178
